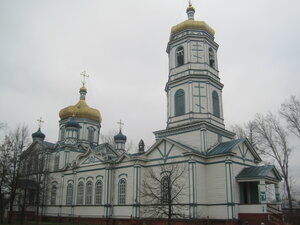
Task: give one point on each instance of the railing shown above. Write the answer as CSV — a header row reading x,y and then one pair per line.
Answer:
x,y
275,215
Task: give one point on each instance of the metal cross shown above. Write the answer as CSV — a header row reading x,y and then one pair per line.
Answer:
x,y
84,76
40,121
120,123
199,96
197,50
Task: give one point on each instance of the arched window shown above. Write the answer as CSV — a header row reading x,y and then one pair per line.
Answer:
x,y
53,195
80,193
69,198
180,56
179,102
98,192
56,161
216,104
62,133
91,134
89,193
122,192
165,189
211,56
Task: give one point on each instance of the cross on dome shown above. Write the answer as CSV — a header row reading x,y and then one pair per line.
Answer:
x,y
84,76
120,124
40,121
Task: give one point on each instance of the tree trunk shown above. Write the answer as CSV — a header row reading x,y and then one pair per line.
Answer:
x,y
11,205
23,207
287,186
1,207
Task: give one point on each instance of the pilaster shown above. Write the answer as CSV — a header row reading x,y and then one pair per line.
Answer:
x,y
231,209
136,194
108,192
192,189
262,194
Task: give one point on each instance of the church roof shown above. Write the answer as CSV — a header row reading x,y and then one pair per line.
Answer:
x,y
38,134
120,137
259,172
225,147
81,109
192,25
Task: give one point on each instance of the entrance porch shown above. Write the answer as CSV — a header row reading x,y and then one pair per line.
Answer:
x,y
256,201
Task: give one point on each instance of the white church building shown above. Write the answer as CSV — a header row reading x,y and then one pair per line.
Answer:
x,y
220,177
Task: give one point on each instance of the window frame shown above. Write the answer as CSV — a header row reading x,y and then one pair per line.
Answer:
x,y
98,192
179,102
211,58
80,193
91,134
165,189
89,193
69,194
53,194
216,104
56,161
122,189
179,56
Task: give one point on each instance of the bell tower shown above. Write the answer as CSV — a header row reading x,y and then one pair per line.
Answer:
x,y
194,90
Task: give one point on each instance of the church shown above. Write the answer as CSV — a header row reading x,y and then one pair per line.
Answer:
x,y
212,174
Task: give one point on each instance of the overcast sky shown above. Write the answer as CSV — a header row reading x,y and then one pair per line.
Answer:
x,y
45,45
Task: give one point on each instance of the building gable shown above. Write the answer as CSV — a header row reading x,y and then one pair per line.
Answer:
x,y
166,149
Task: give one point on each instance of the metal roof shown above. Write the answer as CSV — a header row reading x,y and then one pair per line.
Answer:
x,y
224,147
258,172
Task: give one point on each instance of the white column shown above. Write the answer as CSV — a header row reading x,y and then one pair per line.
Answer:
x,y
203,139
277,195
136,194
262,195
229,190
108,192
192,189
74,191
62,184
190,103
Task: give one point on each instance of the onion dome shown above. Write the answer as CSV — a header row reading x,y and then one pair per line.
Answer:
x,y
72,123
38,134
191,24
81,109
120,137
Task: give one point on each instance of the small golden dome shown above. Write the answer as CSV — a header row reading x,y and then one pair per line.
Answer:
x,y
83,88
81,110
190,7
191,24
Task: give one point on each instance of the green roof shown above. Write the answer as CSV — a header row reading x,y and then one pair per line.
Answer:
x,y
224,147
258,172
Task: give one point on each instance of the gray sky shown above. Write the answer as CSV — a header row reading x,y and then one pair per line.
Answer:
x,y
44,45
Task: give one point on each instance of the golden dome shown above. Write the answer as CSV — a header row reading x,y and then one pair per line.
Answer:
x,y
83,88
81,109
192,24
190,7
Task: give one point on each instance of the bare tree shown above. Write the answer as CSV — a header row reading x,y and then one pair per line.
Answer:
x,y
18,140
246,131
273,143
4,165
164,187
108,137
38,176
290,111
